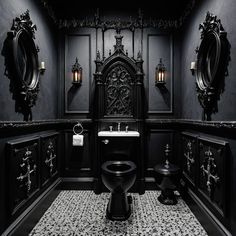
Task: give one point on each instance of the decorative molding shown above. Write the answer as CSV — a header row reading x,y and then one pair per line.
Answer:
x,y
118,80
132,24
213,56
21,64
165,90
19,125
118,90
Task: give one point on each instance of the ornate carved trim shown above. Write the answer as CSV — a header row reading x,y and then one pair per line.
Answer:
x,y
209,171
230,125
189,156
116,79
28,168
212,61
50,156
118,25
21,62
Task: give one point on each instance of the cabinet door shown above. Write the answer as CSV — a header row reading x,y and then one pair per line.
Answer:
x,y
212,173
189,155
49,157
22,172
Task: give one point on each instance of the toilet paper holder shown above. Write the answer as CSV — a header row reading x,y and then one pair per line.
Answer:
x,y
78,138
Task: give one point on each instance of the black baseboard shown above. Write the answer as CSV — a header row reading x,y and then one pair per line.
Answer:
x,y
10,231
209,222
82,183
87,183
150,184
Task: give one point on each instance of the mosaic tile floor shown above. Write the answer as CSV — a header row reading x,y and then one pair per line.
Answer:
x,y
83,213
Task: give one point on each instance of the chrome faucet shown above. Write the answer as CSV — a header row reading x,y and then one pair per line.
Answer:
x,y
118,127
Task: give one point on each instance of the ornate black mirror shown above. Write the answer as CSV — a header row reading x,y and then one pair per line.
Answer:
x,y
212,61
21,61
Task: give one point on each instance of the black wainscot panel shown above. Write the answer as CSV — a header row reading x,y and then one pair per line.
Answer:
x,y
77,158
22,173
189,157
49,158
213,180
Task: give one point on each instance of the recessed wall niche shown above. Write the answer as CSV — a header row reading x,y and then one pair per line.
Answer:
x,y
77,98
159,98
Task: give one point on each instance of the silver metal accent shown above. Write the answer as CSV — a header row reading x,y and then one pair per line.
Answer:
x,y
50,156
29,172
118,127
79,125
110,127
209,171
189,156
126,128
105,141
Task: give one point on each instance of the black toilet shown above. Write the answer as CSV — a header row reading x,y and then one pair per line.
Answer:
x,y
118,177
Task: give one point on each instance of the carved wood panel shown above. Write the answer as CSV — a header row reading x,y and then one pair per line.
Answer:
x,y
49,154
189,147
23,172
212,172
119,91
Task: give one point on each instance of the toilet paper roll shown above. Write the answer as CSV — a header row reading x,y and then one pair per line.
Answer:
x,y
78,140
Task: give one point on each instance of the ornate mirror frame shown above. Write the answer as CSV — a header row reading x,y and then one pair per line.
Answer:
x,y
211,64
24,66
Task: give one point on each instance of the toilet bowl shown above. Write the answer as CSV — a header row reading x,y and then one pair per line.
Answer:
x,y
118,177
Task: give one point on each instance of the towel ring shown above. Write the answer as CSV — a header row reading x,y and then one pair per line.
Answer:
x,y
79,126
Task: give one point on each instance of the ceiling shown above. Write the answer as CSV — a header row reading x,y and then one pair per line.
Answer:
x,y
165,9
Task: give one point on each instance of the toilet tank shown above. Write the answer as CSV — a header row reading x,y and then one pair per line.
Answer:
x,y
118,148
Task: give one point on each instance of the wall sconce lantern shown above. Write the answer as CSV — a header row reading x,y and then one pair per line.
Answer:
x,y
42,67
193,67
160,74
76,73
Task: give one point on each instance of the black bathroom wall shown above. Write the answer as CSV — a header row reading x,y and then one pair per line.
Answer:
x,y
225,11
46,39
152,43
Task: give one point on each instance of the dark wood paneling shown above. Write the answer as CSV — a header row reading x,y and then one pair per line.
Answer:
x,y
49,158
156,142
212,173
189,157
78,162
23,173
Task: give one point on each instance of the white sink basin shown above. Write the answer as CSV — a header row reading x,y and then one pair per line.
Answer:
x,y
118,134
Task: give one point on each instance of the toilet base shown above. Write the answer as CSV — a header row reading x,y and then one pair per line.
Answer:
x,y
118,207
167,197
